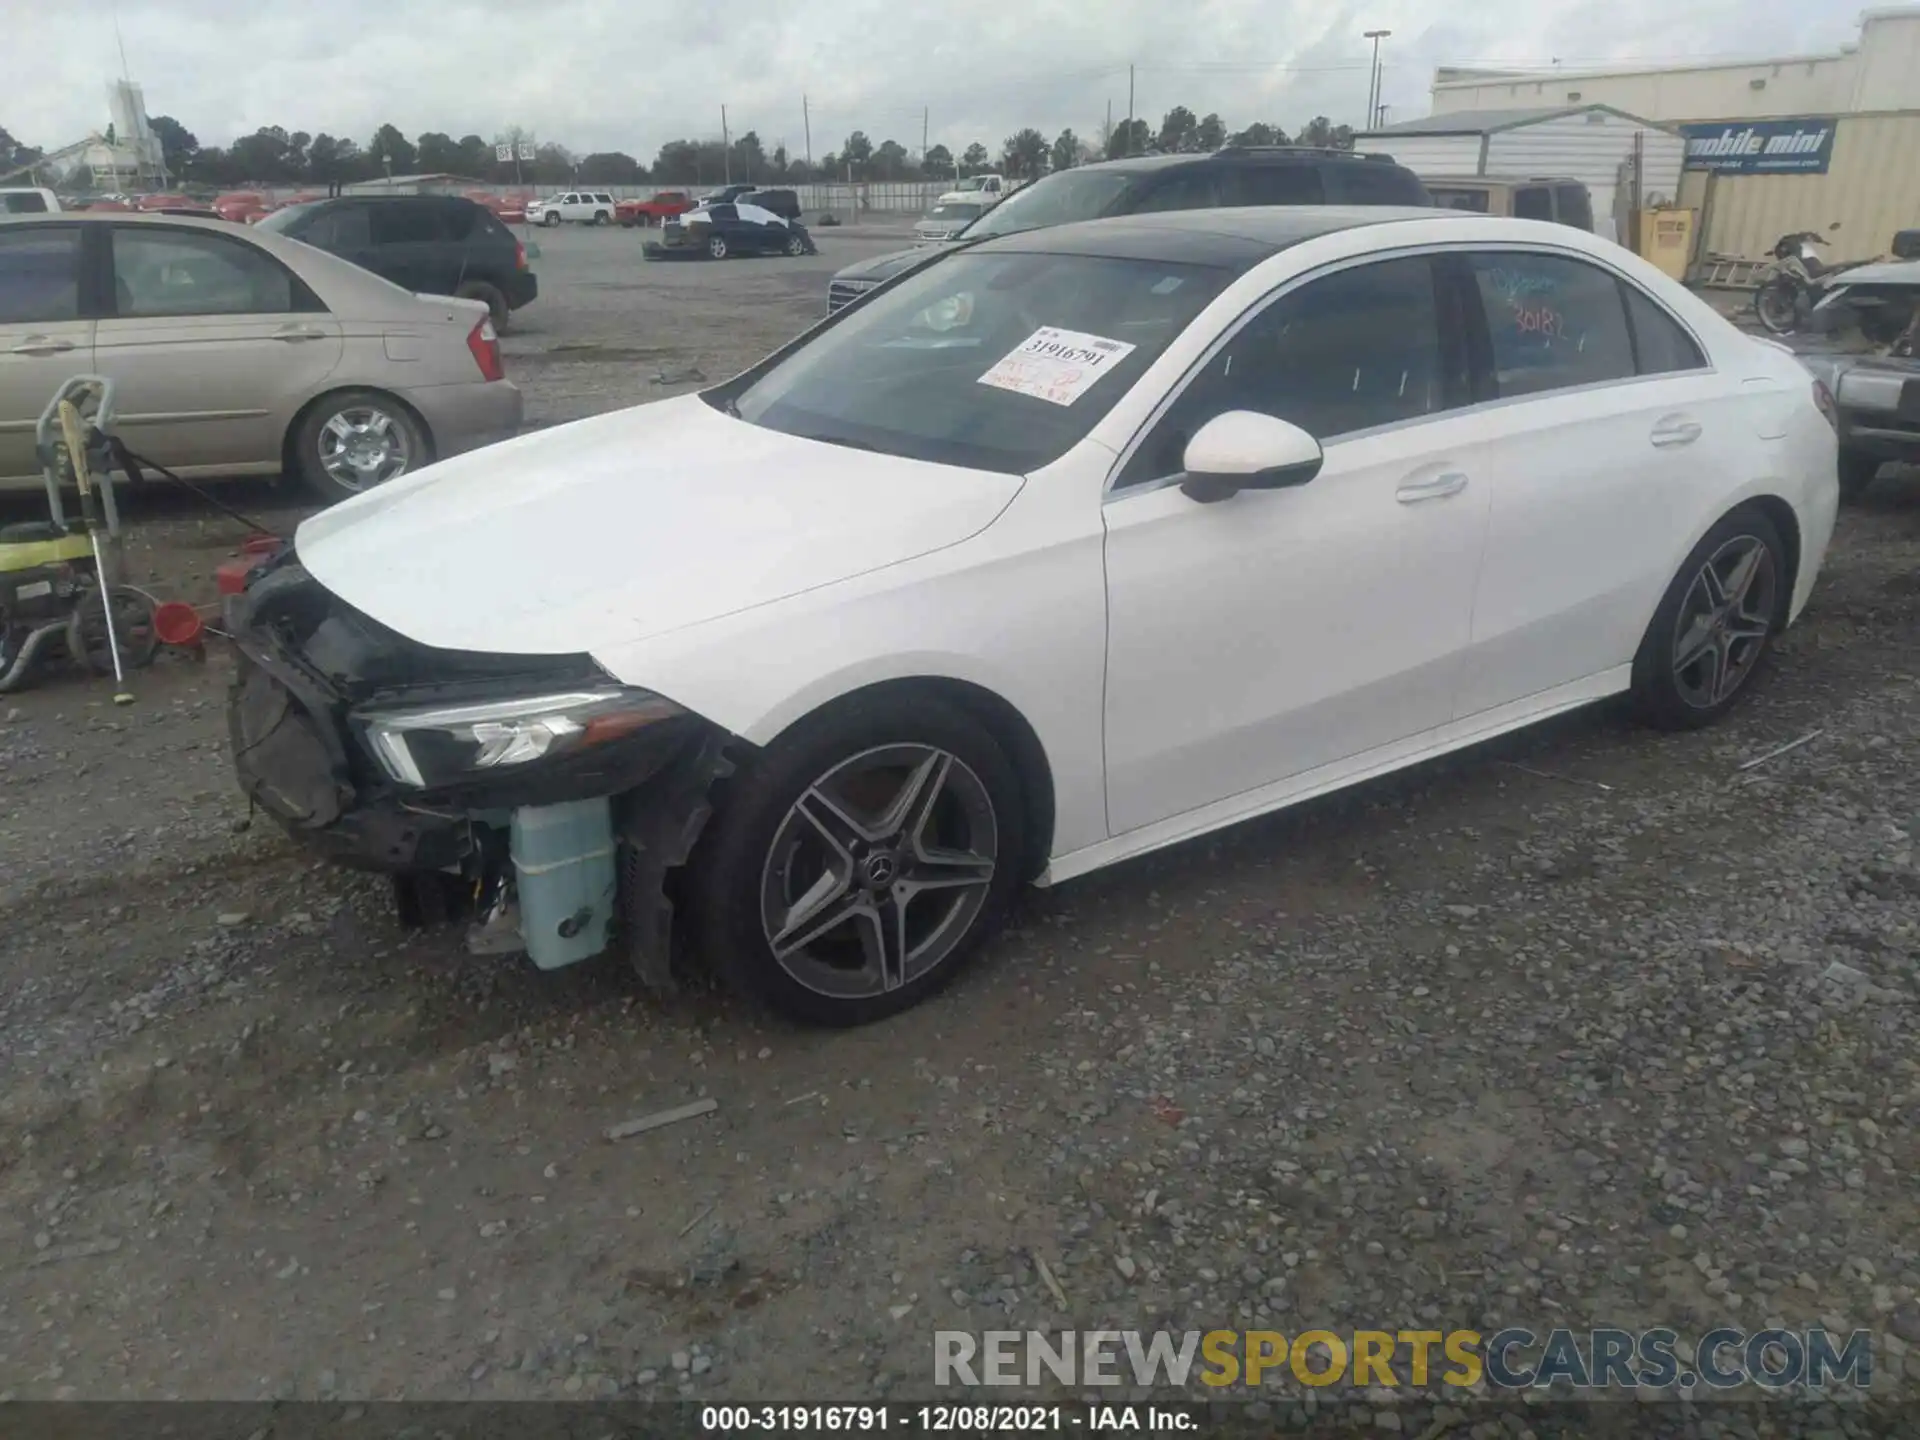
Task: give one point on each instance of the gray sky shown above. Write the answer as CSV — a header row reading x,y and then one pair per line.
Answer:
x,y
606,75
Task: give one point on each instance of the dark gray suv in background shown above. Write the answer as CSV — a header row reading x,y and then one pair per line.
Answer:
x,y
1237,175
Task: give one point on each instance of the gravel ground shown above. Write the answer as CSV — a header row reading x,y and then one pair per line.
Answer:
x,y
1589,1027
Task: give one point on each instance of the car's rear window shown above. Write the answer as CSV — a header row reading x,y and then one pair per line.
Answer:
x,y
26,203
1451,198
1371,182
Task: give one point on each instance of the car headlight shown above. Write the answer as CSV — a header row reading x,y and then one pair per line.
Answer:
x,y
447,744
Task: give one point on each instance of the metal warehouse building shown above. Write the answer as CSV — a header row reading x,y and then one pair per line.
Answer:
x,y
1793,143
1594,144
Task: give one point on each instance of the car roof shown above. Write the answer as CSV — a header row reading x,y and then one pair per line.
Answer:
x,y
1241,152
1235,239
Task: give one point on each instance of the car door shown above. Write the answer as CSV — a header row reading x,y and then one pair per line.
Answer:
x,y
45,335
345,230
1606,417
212,344
1268,635
410,246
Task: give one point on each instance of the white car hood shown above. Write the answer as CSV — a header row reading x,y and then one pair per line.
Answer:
x,y
630,525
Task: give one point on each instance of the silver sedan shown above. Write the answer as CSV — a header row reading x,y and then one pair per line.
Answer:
x,y
236,352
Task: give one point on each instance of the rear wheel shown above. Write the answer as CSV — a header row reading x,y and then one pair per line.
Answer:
x,y
796,245
1857,471
354,440
857,862
717,247
1776,304
601,217
490,296
1708,637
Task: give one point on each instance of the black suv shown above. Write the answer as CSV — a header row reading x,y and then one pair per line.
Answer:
x,y
1237,175
430,244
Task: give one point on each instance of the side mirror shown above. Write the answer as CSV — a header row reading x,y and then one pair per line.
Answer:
x,y
1245,450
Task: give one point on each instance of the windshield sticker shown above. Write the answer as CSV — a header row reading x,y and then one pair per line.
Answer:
x,y
1058,366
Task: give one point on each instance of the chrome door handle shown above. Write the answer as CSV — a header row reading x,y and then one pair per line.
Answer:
x,y
293,333
1675,430
42,345
1438,488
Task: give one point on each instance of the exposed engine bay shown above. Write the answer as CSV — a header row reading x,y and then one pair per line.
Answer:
x,y
531,794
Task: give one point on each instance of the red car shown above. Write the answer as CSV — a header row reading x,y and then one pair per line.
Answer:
x,y
657,209
507,209
164,202
242,207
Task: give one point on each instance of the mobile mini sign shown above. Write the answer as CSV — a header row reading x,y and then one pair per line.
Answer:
x,y
1761,147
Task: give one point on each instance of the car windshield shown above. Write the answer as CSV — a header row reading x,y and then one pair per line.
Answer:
x,y
1001,360
280,219
1057,200
955,211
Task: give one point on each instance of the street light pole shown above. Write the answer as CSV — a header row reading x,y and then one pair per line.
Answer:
x,y
1373,74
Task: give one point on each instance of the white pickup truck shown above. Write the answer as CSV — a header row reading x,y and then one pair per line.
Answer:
x,y
976,189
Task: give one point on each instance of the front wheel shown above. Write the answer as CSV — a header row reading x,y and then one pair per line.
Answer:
x,y
1707,639
1776,304
354,440
551,219
858,861
717,247
796,245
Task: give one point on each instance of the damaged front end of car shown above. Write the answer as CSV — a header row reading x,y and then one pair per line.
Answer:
x,y
548,801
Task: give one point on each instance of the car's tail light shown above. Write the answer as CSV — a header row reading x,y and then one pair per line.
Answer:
x,y
485,346
1823,397
519,256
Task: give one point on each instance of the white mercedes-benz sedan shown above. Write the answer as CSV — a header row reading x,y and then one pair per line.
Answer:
x,y
1071,545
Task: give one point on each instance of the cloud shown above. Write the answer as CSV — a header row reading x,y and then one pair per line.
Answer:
x,y
602,75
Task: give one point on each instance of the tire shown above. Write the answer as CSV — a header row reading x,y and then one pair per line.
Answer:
x,y
1709,636
550,219
716,247
763,856
796,246
601,217
1857,471
489,295
134,633
318,449
1776,305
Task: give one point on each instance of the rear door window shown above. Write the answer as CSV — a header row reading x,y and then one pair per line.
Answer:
x,y
39,274
1194,188
195,272
1369,182
1275,185
459,218
407,224
1533,202
343,229
1660,345
1573,206
1555,322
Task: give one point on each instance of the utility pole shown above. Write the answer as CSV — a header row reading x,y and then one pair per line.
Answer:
x,y
806,122
1373,74
1106,135
924,112
1129,149
726,148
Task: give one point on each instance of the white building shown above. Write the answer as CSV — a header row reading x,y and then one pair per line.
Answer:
x,y
1594,144
1796,142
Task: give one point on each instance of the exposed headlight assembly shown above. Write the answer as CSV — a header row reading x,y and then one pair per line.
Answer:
x,y
454,743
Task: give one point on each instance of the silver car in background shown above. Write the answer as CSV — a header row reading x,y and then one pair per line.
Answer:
x,y
946,220
236,352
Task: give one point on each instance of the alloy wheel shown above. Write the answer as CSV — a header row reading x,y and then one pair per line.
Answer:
x,y
363,446
1724,622
878,871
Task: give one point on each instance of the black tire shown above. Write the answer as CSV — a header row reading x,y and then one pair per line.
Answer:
x,y
602,217
717,247
1776,305
307,455
796,245
490,296
732,871
550,219
134,633
1857,471
1670,695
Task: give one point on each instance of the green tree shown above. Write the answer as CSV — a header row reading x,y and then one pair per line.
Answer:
x,y
890,161
778,164
611,167
1260,133
13,153
179,145
1324,134
1177,130
1130,137
938,161
437,154
857,152
392,153
553,164
263,157
748,159
1066,150
1024,154
975,159
476,157
1210,134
